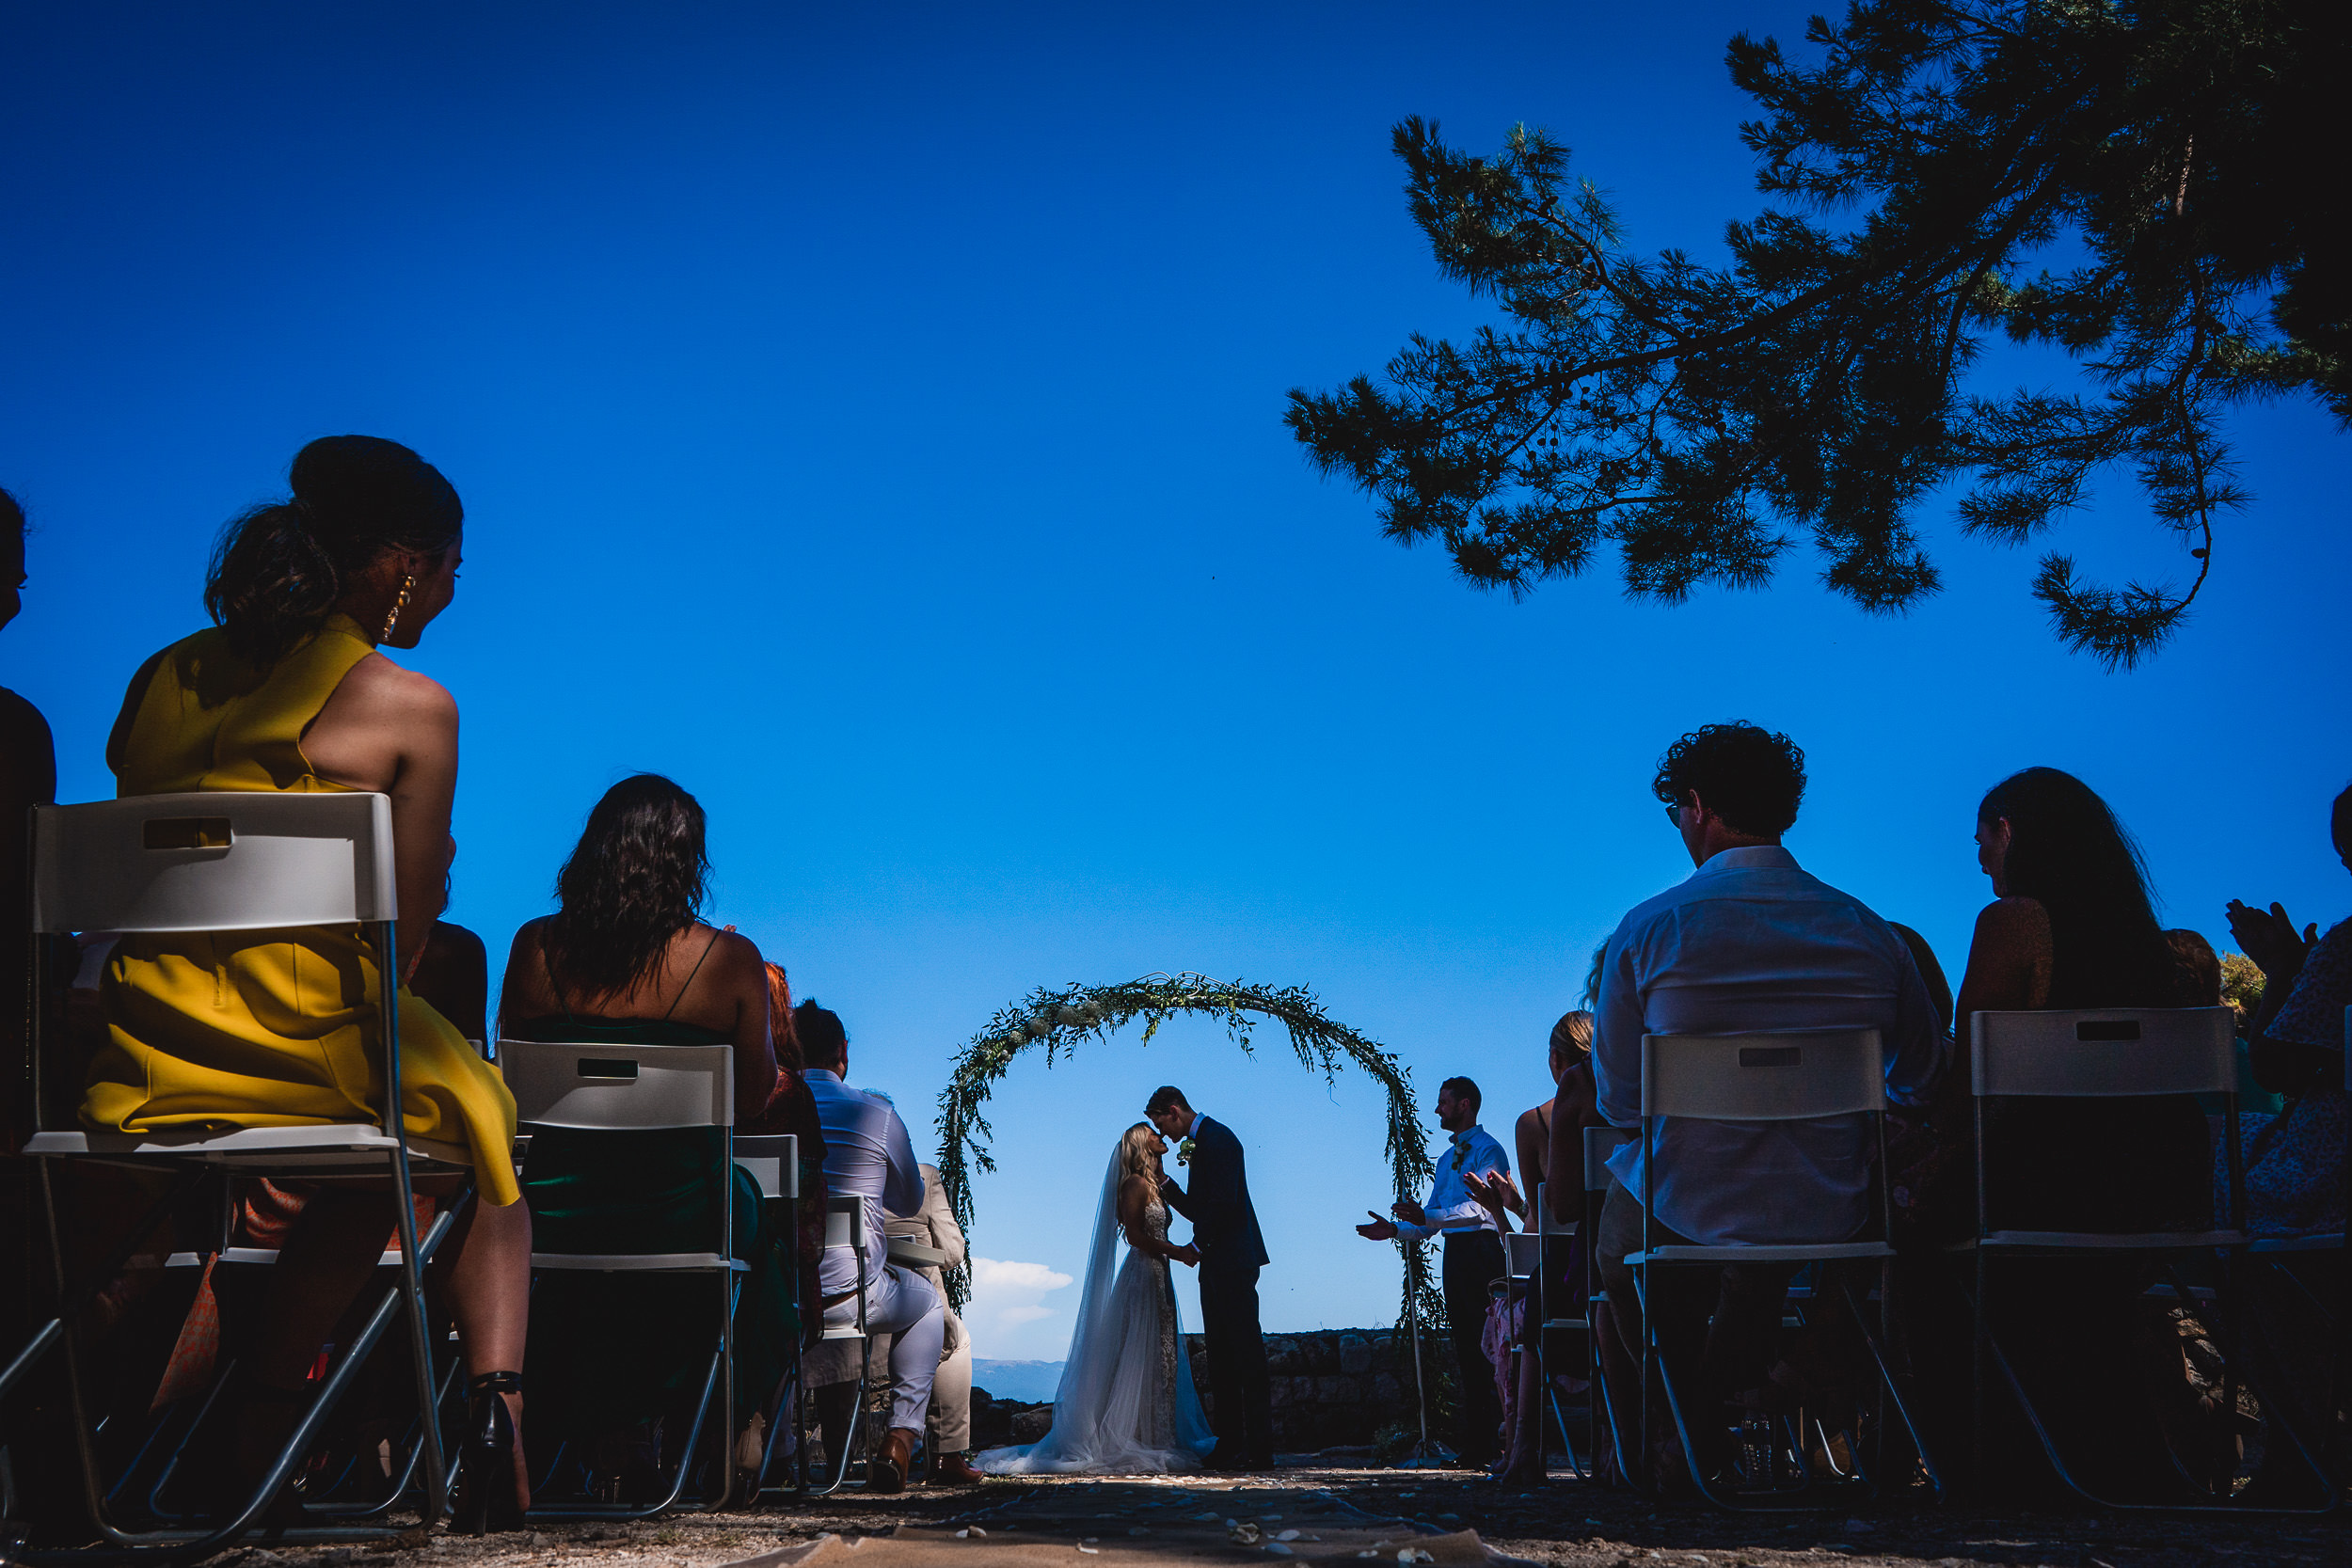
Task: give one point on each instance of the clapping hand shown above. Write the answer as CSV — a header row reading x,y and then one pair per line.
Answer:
x,y
2268,938
1378,1230
1409,1211
1494,1191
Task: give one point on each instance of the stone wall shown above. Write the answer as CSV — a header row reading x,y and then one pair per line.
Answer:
x,y
1332,1388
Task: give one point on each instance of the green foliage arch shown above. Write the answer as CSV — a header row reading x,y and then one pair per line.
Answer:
x,y
1057,1020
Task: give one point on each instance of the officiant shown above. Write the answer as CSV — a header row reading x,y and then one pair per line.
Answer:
x,y
1473,1257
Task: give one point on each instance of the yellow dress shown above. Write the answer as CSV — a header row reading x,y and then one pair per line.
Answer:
x,y
269,1028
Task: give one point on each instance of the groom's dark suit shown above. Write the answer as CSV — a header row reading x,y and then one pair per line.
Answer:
x,y
1225,1229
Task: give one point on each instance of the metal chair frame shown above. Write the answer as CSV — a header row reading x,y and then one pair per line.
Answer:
x,y
226,861
608,1087
844,1227
2111,1053
1601,1407
1704,1077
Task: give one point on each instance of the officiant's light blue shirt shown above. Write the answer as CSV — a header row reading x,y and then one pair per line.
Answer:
x,y
1470,1150
1750,942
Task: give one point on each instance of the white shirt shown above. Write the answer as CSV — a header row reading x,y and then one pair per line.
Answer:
x,y
1450,1203
868,1154
1750,942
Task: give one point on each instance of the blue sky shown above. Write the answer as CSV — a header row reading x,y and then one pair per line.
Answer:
x,y
871,418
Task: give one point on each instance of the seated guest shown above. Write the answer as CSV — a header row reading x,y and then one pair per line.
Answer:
x,y
29,778
625,960
1558,1123
2294,1162
1473,1256
951,1395
454,976
2294,1159
793,1109
454,973
1750,942
2071,925
868,1155
290,691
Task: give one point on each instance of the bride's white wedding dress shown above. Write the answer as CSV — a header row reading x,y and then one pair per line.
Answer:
x,y
1125,1404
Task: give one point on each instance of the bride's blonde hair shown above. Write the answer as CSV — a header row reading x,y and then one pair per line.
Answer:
x,y
1136,1157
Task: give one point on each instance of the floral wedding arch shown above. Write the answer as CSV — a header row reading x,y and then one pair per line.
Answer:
x,y
1059,1020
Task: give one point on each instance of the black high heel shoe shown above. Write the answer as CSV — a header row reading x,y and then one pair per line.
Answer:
x,y
485,1460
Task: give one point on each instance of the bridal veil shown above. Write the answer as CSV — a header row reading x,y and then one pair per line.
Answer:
x,y
1111,1384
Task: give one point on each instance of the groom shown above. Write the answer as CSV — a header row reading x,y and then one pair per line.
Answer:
x,y
1225,1229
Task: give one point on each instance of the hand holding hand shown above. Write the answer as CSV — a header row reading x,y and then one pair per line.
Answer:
x,y
2268,938
1409,1211
1378,1230
1188,1255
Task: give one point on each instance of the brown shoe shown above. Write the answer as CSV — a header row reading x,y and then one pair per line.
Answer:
x,y
955,1470
887,1470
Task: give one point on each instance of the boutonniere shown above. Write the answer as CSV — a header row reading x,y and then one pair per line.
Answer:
x,y
1183,1152
1461,1151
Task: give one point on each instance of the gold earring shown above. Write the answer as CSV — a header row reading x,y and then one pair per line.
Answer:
x,y
407,586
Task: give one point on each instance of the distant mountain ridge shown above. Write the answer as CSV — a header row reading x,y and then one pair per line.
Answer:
x,y
1030,1381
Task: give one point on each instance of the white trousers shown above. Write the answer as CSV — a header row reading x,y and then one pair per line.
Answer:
x,y
902,1304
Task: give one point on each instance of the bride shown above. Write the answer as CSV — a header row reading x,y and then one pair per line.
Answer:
x,y
1125,1405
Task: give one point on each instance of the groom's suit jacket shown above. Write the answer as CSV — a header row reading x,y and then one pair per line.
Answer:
x,y
1216,1200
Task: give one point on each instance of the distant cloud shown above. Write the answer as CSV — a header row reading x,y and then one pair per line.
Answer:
x,y
1007,1298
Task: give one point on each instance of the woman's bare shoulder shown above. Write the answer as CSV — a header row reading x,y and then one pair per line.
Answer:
x,y
2015,921
385,688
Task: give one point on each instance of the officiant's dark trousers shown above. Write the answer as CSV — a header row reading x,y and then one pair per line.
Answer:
x,y
1243,1416
1473,1261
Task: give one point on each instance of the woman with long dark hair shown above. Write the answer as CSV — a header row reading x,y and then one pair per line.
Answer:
x,y
290,690
627,958
2072,927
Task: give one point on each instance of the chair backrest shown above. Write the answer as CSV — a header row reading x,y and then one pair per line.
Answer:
x,y
845,1222
563,1084
215,860
774,1161
1600,1142
2123,1050
1784,1075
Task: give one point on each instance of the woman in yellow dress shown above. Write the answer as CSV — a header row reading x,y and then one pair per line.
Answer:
x,y
289,691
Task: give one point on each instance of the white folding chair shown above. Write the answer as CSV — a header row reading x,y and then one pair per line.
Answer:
x,y
844,1227
1575,1316
2102,1055
232,861
1780,1075
608,1087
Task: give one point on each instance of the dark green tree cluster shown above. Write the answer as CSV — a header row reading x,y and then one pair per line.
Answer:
x,y
2156,189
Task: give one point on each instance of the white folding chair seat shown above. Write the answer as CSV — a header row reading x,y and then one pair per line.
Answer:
x,y
224,862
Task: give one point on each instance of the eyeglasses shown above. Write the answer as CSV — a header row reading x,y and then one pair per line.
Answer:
x,y
1673,812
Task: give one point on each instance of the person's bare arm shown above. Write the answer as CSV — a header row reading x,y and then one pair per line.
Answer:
x,y
134,695
745,978
1573,1111
394,731
523,987
29,778
1532,1143
1135,1199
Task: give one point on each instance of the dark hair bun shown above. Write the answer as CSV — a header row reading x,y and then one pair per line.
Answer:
x,y
367,486
278,571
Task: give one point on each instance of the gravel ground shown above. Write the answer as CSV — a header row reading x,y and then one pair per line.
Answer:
x,y
1567,1523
